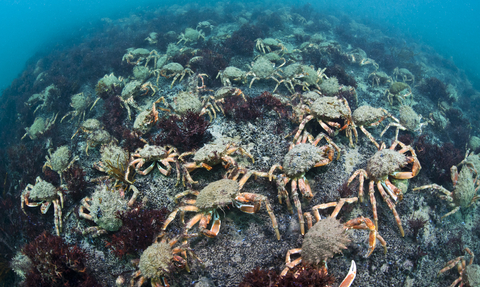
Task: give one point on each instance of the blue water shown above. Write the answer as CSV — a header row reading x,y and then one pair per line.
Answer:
x,y
452,28
28,27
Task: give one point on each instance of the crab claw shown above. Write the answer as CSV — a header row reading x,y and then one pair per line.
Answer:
x,y
350,276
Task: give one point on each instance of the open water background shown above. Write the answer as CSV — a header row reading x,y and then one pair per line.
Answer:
x,y
452,28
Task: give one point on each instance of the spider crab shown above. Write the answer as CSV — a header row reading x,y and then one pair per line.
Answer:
x,y
301,75
39,127
59,160
217,195
379,78
465,187
399,90
174,70
43,194
404,74
262,68
137,56
189,100
190,35
264,45
212,154
466,271
383,165
80,103
357,223
359,56
146,119
232,74
103,208
219,96
160,259
328,111
132,90
301,157
327,238
409,121
155,155
367,116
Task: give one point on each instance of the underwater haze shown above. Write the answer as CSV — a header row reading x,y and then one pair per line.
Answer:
x,y
452,28
30,27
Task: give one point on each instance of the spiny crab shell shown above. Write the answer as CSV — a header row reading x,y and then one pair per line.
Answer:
x,y
263,68
325,239
385,162
329,108
90,125
153,152
464,191
211,153
366,114
156,260
43,191
301,158
217,194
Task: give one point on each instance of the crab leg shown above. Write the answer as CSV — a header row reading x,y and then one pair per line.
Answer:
x,y
373,202
192,166
370,137
391,205
44,206
282,192
329,140
288,261
81,213
352,272
362,174
194,220
29,204
309,219
172,215
338,206
58,216
302,126
145,171
257,200
272,169
138,161
398,126
231,150
407,174
367,224
326,127
186,175
304,188
134,196
397,191
215,228
321,206
298,206
166,163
